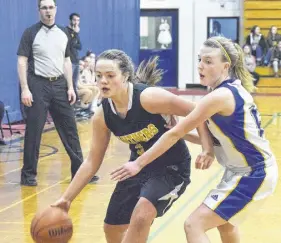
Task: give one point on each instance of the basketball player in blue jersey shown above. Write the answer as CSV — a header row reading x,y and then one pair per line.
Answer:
x,y
132,111
251,171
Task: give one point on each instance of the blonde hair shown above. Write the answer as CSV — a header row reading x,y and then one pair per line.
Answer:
x,y
233,53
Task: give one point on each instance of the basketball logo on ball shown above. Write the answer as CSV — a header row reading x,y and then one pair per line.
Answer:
x,y
53,225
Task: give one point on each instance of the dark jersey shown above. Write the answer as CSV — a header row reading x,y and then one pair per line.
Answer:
x,y
141,129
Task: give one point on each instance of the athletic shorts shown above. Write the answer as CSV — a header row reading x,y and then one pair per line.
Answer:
x,y
241,194
162,188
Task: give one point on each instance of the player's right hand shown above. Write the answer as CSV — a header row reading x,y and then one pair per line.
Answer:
x,y
204,160
26,97
62,203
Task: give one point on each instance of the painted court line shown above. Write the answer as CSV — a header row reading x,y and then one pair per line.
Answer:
x,y
154,234
43,190
32,195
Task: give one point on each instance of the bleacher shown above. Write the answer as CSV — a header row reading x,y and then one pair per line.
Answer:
x,y
264,13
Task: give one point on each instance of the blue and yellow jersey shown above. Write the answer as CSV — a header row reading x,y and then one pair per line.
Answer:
x,y
240,138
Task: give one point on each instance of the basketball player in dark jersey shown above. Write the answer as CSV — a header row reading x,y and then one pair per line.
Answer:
x,y
132,111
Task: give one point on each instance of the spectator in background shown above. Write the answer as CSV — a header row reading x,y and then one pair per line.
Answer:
x,y
258,44
88,72
250,63
276,59
92,57
75,46
87,88
1,118
272,39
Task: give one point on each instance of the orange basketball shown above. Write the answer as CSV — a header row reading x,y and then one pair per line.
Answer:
x,y
53,225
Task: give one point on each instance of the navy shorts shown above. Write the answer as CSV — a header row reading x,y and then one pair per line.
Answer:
x,y
161,187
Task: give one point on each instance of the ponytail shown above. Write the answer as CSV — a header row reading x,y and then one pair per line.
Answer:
x,y
241,72
148,73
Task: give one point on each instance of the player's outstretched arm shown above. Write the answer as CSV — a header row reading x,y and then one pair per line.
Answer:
x,y
158,100
211,104
100,140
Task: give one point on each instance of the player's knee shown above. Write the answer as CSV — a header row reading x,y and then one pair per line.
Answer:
x,y
187,226
144,213
228,229
190,225
141,219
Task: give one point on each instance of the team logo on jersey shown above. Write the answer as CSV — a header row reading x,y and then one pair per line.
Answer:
x,y
143,135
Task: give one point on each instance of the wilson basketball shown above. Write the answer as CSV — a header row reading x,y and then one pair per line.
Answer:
x,y
53,225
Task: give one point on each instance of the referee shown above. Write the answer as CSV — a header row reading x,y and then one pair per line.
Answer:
x,y
45,73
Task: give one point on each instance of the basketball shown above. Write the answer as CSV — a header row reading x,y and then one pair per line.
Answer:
x,y
53,225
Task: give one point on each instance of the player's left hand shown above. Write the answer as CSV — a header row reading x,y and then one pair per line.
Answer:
x,y
126,171
71,96
204,160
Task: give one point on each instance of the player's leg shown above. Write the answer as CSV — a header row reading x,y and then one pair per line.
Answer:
x,y
160,190
229,233
230,203
120,208
114,233
199,222
141,220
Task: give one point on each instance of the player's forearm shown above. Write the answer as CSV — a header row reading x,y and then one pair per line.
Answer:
x,y
166,141
85,173
68,73
205,138
22,73
193,138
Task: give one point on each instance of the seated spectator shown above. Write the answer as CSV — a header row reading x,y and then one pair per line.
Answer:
x,y
88,73
92,59
86,86
1,118
92,68
92,56
250,63
276,59
258,44
272,39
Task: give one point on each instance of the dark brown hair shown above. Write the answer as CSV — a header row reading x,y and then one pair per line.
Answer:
x,y
39,2
147,71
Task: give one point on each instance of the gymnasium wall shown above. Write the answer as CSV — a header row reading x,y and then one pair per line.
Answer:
x,y
193,28
105,24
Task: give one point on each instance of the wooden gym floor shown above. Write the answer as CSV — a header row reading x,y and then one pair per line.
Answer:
x,y
19,204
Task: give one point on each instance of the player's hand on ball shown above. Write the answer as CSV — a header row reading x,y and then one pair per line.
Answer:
x,y
126,171
62,203
204,160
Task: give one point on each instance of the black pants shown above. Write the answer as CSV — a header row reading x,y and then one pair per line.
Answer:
x,y
75,76
52,96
